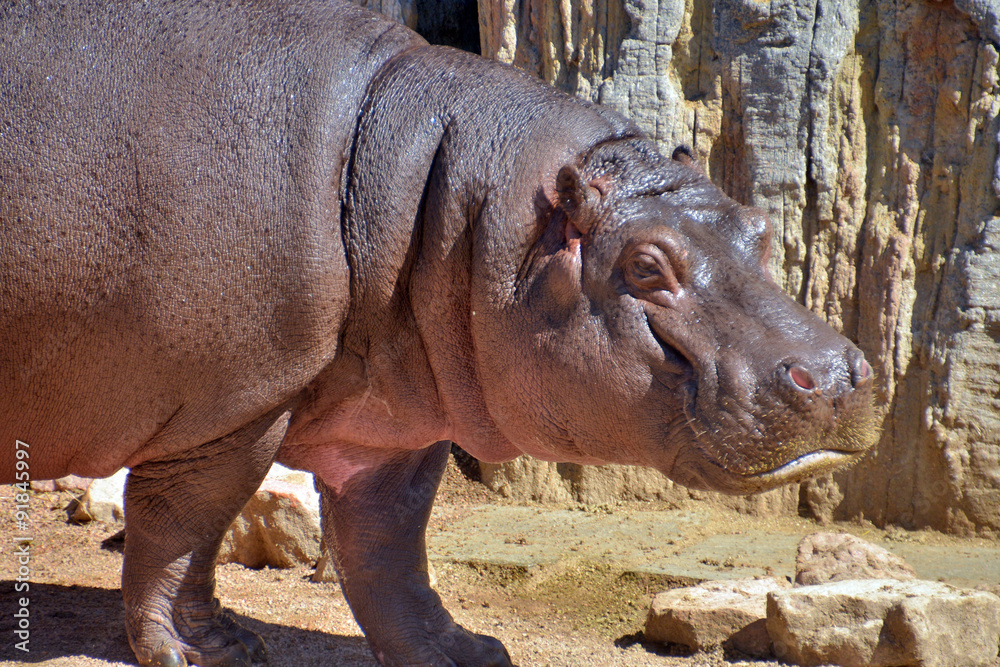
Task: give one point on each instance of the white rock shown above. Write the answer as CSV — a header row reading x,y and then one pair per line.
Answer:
x,y
826,557
713,614
884,622
280,525
67,483
103,500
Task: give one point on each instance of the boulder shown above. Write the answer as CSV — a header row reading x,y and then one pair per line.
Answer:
x,y
883,623
279,526
715,613
102,501
67,483
826,557
326,571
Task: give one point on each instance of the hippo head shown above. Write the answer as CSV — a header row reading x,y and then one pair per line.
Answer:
x,y
644,329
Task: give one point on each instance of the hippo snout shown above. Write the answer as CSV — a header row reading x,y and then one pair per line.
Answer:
x,y
779,399
827,391
826,401
803,375
814,415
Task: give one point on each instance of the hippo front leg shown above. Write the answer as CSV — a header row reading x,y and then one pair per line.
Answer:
x,y
375,525
176,512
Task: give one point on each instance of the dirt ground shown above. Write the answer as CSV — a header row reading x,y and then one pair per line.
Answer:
x,y
588,614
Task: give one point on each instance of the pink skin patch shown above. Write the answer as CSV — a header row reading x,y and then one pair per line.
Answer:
x,y
801,377
335,463
572,234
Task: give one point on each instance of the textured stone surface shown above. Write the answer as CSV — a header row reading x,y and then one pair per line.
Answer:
x,y
883,622
985,14
542,481
826,557
280,525
821,496
929,311
713,614
103,500
868,131
527,479
325,568
67,483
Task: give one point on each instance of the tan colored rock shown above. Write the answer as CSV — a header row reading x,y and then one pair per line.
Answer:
x,y
751,640
526,479
822,496
989,587
713,614
826,557
926,290
884,623
68,483
279,526
102,501
325,570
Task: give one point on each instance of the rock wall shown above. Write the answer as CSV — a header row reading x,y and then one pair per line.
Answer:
x,y
868,131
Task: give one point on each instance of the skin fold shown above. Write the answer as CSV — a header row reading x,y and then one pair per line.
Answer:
x,y
233,234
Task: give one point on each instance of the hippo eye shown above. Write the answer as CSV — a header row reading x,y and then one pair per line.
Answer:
x,y
650,270
642,268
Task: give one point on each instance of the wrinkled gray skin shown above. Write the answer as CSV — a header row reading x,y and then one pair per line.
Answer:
x,y
227,230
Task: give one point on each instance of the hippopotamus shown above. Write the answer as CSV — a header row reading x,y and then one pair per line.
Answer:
x,y
234,233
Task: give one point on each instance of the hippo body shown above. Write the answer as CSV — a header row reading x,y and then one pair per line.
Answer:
x,y
230,234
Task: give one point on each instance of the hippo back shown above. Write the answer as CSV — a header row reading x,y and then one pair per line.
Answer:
x,y
169,214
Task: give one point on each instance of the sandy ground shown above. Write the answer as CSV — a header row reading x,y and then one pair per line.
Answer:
x,y
588,614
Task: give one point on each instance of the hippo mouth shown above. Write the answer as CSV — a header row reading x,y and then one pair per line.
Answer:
x,y
805,466
715,476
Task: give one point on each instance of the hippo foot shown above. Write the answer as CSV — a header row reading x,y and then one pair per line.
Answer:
x,y
216,640
478,650
454,648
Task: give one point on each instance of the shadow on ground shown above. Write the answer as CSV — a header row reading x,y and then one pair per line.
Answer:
x,y
68,621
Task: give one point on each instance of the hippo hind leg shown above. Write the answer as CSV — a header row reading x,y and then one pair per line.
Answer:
x,y
376,526
176,513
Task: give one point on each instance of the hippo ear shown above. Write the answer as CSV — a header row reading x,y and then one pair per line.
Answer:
x,y
685,156
577,199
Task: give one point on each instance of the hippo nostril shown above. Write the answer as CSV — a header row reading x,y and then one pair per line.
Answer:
x,y
801,378
861,370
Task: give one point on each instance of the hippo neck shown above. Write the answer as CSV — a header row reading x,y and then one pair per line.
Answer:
x,y
449,158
